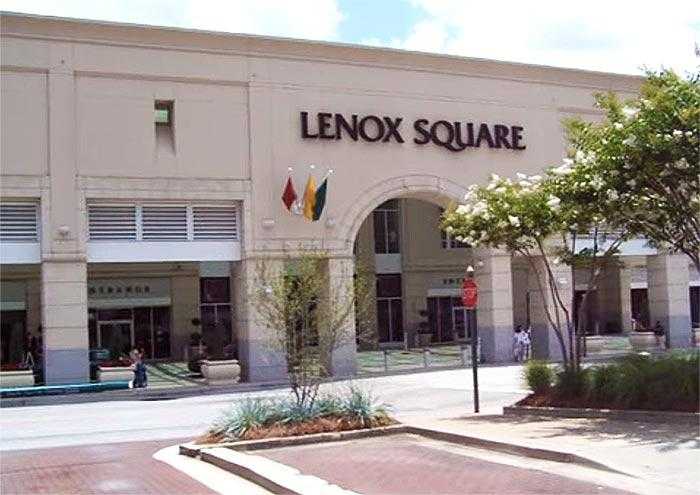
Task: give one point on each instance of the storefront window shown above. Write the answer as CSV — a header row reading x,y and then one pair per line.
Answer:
x,y
120,330
386,228
12,337
161,333
389,308
142,330
215,294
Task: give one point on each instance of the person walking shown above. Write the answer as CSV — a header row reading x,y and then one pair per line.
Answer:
x,y
140,379
516,343
659,334
524,344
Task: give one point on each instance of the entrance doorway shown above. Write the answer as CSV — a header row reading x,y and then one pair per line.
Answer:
x,y
117,336
448,319
12,337
122,329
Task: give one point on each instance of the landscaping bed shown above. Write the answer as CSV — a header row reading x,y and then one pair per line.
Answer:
x,y
254,419
635,382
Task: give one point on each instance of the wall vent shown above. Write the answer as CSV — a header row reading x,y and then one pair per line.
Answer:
x,y
112,222
19,221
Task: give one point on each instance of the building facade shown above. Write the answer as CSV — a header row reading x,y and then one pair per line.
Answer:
x,y
143,168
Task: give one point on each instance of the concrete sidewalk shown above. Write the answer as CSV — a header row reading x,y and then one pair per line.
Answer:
x,y
663,454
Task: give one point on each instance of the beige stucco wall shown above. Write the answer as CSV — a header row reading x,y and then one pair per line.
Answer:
x,y
237,103
77,124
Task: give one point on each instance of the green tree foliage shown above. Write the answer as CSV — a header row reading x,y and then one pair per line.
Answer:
x,y
309,312
645,158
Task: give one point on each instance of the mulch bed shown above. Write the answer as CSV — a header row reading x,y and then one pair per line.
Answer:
x,y
551,399
329,424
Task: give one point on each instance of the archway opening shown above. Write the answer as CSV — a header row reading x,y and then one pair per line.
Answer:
x,y
417,270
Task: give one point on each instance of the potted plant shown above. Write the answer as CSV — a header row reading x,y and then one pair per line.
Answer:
x,y
116,370
643,340
16,375
223,369
595,343
425,336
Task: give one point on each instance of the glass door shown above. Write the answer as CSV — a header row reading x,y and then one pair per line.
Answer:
x,y
117,336
459,322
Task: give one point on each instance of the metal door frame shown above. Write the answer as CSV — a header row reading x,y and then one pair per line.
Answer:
x,y
116,322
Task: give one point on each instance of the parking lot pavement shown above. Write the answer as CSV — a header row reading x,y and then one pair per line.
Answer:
x,y
407,464
123,468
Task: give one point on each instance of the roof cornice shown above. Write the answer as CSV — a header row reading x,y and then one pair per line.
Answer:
x,y
177,39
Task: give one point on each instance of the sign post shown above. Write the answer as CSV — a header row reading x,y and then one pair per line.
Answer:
x,y
469,301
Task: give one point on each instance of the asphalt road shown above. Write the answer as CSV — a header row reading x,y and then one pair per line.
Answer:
x,y
436,394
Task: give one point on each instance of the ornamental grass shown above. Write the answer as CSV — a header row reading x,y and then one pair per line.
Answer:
x,y
254,418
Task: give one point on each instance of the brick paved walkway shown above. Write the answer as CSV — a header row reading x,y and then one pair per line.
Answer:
x,y
409,465
123,468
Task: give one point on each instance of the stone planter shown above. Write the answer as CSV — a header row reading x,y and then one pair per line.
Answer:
x,y
594,344
19,378
115,374
643,341
224,372
696,337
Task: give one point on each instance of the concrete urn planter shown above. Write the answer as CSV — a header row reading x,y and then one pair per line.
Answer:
x,y
696,337
643,341
223,372
594,344
115,374
19,378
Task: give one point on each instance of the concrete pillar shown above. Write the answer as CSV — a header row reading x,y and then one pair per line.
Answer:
x,y
261,360
185,303
495,306
343,354
545,344
625,289
366,261
609,299
64,267
33,307
64,321
669,299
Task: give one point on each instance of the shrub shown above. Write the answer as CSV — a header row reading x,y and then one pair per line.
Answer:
x,y
603,384
632,383
672,380
538,376
571,383
641,382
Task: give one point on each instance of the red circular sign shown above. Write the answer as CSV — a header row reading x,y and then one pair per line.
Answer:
x,y
469,293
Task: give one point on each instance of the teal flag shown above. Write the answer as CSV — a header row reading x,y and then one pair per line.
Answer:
x,y
320,199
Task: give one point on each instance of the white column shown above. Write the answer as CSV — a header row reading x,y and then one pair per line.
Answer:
x,y
669,298
64,321
625,299
495,305
545,344
64,267
261,360
343,355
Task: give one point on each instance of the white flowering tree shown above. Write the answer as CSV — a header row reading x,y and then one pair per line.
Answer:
x,y
646,155
540,218
518,216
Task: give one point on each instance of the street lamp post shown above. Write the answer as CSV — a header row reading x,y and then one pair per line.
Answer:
x,y
469,301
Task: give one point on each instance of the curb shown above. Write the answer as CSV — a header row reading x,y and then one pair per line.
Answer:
x,y
626,415
140,394
240,466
